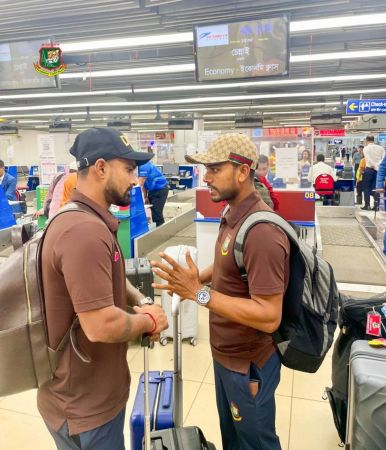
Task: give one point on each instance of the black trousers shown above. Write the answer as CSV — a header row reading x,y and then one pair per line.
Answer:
x,y
158,200
369,179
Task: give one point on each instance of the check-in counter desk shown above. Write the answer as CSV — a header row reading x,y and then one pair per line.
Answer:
x,y
296,206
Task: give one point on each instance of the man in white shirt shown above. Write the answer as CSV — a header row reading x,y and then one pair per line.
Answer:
x,y
320,168
373,154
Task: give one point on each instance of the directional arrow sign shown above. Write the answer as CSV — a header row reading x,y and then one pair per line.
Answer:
x,y
366,106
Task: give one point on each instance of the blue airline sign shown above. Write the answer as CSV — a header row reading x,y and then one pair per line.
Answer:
x,y
367,106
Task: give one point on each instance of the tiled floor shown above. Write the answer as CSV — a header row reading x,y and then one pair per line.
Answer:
x,y
304,420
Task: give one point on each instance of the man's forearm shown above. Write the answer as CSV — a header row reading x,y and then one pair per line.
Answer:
x,y
257,313
133,294
113,325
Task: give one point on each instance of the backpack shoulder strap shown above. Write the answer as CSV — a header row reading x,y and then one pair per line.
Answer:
x,y
250,222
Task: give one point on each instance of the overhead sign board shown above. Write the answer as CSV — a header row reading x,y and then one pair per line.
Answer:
x,y
366,106
332,132
382,137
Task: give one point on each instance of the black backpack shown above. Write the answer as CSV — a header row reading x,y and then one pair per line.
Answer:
x,y
352,324
310,306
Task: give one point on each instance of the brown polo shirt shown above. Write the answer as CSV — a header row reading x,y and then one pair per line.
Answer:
x,y
266,259
83,270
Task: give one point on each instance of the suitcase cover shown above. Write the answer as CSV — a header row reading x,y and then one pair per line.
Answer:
x,y
161,406
188,309
367,398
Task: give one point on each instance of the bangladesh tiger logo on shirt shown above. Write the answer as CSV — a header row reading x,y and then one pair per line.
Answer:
x,y
225,245
235,412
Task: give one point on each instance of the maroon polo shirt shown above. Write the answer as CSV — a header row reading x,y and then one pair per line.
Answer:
x,y
83,270
266,259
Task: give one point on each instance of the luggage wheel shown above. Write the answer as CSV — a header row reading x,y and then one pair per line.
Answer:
x,y
163,341
193,342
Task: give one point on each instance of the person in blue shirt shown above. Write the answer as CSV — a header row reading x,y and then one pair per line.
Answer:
x,y
8,183
380,188
155,189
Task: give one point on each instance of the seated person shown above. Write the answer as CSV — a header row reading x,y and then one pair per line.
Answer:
x,y
8,183
261,173
320,168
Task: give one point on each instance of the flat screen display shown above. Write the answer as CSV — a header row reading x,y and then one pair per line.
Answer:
x,y
17,69
248,49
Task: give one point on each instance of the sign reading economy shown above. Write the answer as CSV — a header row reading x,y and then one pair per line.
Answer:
x,y
367,106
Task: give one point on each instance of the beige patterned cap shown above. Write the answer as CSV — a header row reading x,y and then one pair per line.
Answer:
x,y
234,147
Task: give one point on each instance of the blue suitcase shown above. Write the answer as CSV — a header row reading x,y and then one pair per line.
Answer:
x,y
161,406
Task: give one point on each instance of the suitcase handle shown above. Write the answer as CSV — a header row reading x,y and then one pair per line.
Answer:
x,y
167,392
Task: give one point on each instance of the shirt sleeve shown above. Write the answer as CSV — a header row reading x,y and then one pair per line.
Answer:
x,y
266,253
381,175
143,170
11,189
84,255
68,188
272,194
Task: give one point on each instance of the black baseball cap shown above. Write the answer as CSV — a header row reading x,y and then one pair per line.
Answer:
x,y
107,143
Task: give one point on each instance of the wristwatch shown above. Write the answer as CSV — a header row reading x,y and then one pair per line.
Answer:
x,y
146,301
203,296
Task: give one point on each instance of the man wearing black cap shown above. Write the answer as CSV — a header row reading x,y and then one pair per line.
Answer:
x,y
83,274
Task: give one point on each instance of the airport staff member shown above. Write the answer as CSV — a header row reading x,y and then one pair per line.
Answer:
x,y
320,168
8,183
84,274
373,154
155,189
242,315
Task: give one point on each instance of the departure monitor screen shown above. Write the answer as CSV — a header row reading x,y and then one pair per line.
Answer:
x,y
17,69
249,49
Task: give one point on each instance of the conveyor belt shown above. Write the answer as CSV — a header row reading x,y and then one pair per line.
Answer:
x,y
350,252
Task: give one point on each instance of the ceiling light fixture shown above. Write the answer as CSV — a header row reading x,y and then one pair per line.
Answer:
x,y
140,41
338,55
338,22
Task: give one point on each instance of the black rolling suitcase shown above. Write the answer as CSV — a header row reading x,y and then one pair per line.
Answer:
x,y
140,275
352,322
366,423
178,437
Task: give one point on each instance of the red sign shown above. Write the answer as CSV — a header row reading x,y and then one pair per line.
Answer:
x,y
332,132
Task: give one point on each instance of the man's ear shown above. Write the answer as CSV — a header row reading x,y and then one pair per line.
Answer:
x,y
100,168
244,173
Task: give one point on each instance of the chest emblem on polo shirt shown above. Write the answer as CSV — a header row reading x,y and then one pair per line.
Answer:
x,y
117,256
235,412
225,245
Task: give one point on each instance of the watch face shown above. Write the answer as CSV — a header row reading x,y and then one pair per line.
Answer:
x,y
203,297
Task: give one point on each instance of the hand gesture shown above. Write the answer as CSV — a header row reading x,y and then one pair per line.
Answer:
x,y
179,280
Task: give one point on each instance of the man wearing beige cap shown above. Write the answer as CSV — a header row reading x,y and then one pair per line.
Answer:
x,y
242,315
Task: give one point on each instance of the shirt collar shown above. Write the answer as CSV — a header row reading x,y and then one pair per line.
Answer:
x,y
111,222
237,212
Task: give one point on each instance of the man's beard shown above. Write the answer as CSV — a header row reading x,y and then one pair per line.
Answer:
x,y
228,194
113,197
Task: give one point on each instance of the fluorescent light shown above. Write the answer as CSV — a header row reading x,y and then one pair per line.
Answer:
x,y
297,119
338,55
214,108
151,40
151,70
338,22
